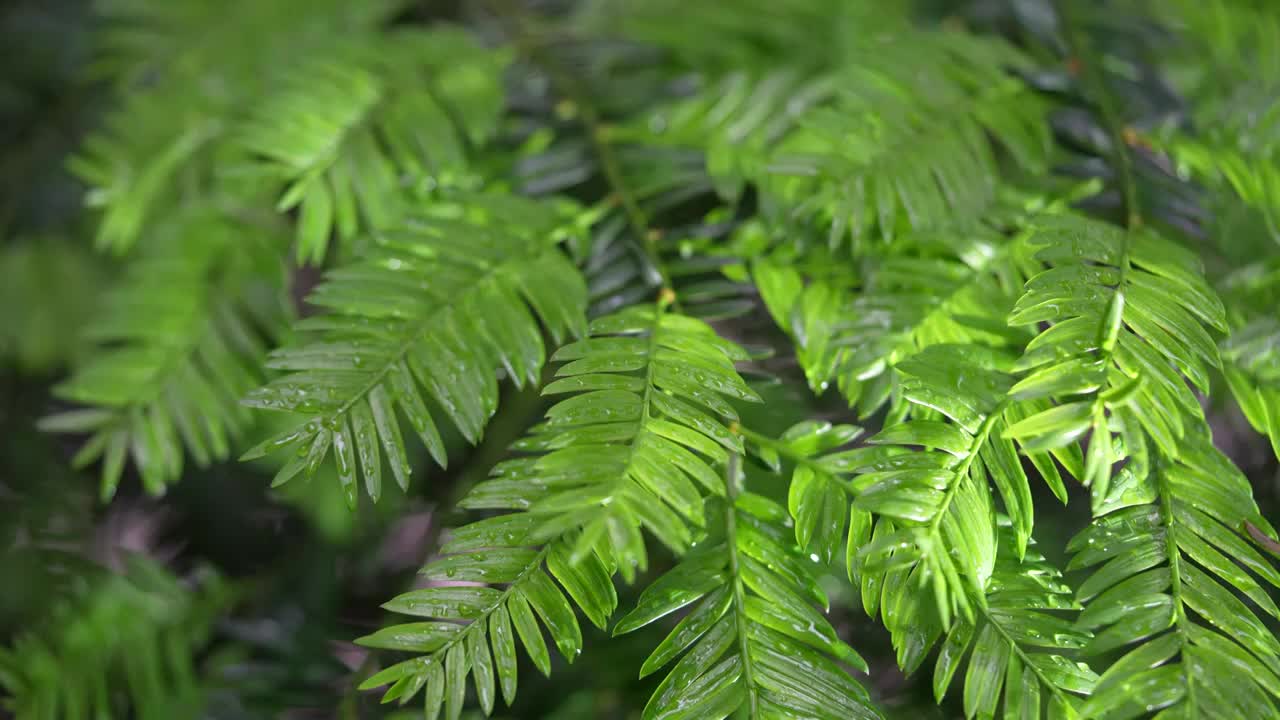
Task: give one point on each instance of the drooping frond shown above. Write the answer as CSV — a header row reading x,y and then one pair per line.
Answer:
x,y
1232,139
49,286
1165,591
856,146
1251,353
635,445
750,33
946,286
1006,597
938,499
1226,157
132,164
436,310
346,131
120,646
1251,365
1235,41
752,643
470,626
894,167
187,71
147,44
1019,648
1127,314
633,448
327,103
177,342
1007,606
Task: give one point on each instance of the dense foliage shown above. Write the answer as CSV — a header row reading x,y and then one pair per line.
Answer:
x,y
574,305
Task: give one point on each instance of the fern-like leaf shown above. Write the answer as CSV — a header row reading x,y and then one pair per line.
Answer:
x,y
752,642
120,646
131,164
934,504
1232,141
178,342
627,451
471,628
951,286
436,309
856,147
1128,312
1251,353
1251,365
344,130
1021,643
186,71
1165,589
636,444
1006,600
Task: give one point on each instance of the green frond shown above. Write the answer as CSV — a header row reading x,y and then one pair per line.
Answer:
x,y
1165,590
186,71
752,643
1234,41
1017,642
49,286
856,145
949,286
1251,352
468,623
1227,159
120,646
752,34
938,499
1127,314
178,340
132,165
436,309
144,44
346,131
1231,140
1019,648
635,445
620,186
892,167
346,115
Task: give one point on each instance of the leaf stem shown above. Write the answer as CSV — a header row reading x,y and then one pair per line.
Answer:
x,y
481,621
1023,655
1175,572
572,90
1109,332
961,469
732,471
1110,116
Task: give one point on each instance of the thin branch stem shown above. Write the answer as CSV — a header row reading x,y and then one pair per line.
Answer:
x,y
568,86
739,592
1098,92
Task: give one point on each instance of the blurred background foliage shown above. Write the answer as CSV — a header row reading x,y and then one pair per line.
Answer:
x,y
226,599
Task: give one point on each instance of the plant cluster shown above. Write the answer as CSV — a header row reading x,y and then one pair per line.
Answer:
x,y
1029,249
